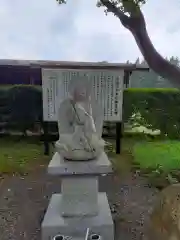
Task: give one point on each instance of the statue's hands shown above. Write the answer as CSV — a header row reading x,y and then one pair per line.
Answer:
x,y
64,147
89,149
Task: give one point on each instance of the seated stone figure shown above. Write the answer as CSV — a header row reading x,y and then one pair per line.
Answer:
x,y
80,125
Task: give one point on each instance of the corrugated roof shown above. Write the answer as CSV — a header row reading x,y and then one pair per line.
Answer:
x,y
70,64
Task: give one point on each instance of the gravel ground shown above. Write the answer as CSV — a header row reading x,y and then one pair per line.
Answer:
x,y
23,201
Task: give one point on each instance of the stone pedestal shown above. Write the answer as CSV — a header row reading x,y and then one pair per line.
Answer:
x,y
79,206
79,196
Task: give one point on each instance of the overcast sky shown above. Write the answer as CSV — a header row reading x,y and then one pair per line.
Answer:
x,y
79,31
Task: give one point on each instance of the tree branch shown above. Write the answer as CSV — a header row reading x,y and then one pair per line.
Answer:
x,y
137,26
155,61
116,11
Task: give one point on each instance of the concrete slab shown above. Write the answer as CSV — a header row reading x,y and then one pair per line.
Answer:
x,y
54,224
59,166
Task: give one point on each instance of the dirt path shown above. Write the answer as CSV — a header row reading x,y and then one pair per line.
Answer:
x,y
23,201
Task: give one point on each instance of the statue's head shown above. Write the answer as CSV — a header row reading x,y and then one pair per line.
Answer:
x,y
80,90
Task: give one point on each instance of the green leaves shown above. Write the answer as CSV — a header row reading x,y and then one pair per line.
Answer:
x,y
126,6
128,11
61,1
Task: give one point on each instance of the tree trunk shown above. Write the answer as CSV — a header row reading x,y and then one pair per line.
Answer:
x,y
136,24
155,61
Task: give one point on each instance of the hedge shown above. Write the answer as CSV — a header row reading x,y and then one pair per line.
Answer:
x,y
21,108
158,108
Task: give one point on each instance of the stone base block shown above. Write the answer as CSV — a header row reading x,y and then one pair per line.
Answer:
x,y
79,196
54,224
59,166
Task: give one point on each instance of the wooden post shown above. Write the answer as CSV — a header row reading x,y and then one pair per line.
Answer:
x,y
127,74
118,137
45,138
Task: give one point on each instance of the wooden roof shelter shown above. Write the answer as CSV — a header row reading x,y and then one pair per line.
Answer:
x,y
29,71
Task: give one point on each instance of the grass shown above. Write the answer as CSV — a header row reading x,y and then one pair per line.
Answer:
x,y
158,161
20,156
24,156
147,155
152,90
159,153
9,86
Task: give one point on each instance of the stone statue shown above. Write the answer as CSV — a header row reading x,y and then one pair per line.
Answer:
x,y
80,124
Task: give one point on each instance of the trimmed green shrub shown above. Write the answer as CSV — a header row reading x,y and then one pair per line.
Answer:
x,y
154,108
158,108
